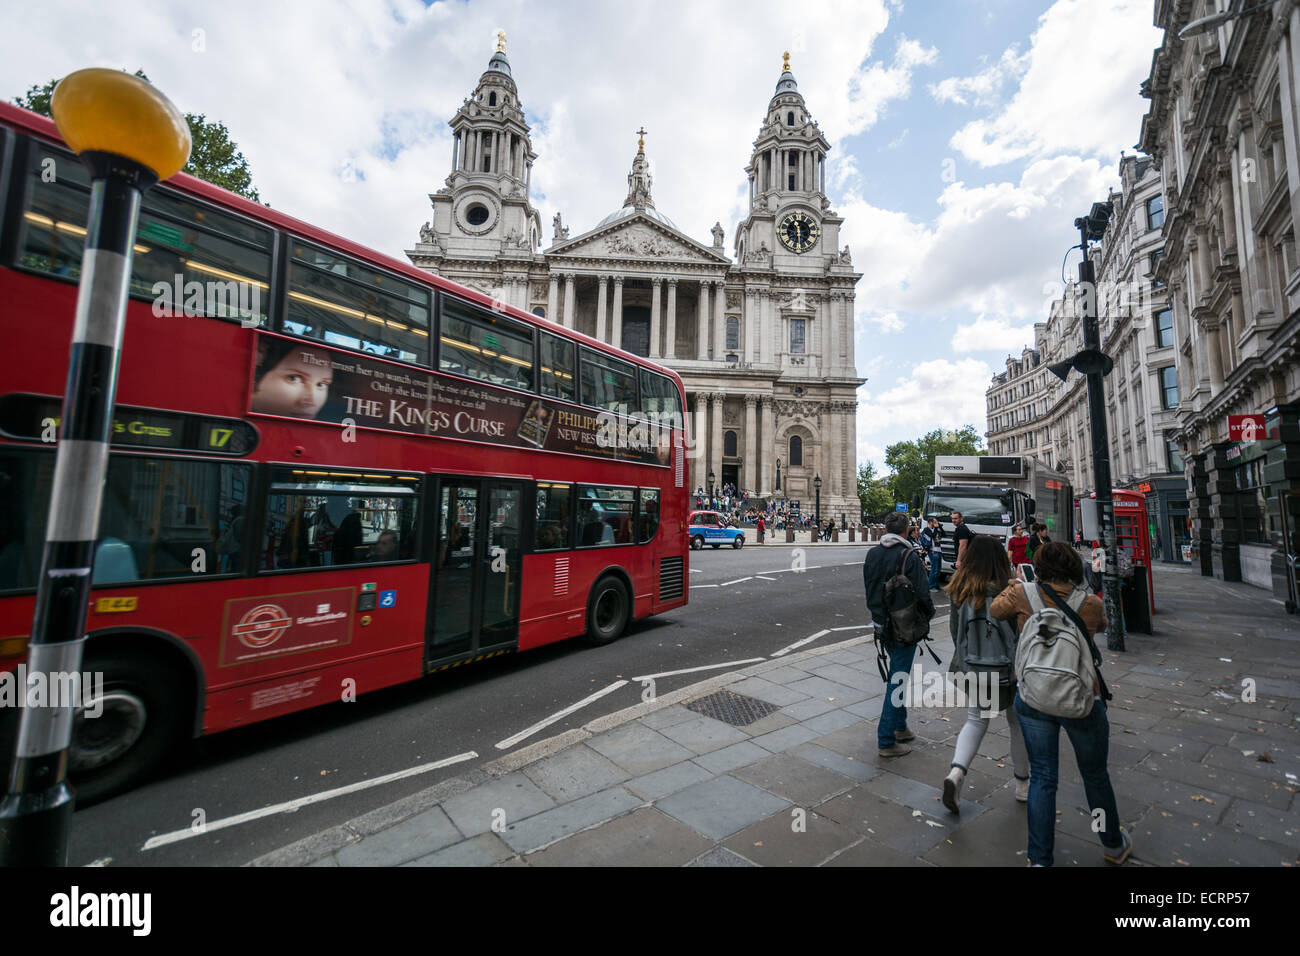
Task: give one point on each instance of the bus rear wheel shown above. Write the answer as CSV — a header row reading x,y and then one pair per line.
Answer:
x,y
608,611
137,716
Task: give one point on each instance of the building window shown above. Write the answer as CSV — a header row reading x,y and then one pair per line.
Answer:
x,y
540,312
1164,328
1155,212
789,118
733,333
796,336
796,451
1169,386
729,444
1173,456
492,99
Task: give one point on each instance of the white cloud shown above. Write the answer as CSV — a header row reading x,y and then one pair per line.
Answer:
x,y
989,251
875,85
984,87
938,393
885,321
1063,108
992,335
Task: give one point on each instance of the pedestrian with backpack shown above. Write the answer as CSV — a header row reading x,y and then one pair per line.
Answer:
x,y
1060,687
986,648
901,607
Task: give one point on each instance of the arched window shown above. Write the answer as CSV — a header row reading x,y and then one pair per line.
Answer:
x,y
789,118
729,444
492,99
796,451
540,312
733,332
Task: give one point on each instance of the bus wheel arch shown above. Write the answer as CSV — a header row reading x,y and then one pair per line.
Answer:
x,y
151,696
609,606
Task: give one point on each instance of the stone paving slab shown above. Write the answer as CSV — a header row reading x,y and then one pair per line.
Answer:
x,y
551,825
574,773
802,783
720,807
644,837
414,837
784,840
516,795
638,749
704,734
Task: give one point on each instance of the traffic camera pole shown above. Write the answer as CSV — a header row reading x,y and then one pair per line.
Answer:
x,y
1094,364
129,136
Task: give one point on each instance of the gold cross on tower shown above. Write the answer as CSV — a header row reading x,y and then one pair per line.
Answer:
x,y
641,142
786,65
501,41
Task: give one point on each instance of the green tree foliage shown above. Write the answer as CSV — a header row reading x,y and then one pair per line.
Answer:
x,y
214,156
873,491
912,462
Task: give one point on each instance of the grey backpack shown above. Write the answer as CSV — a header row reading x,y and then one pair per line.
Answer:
x,y
1056,660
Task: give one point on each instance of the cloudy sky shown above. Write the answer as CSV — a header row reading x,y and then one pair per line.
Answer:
x,y
966,134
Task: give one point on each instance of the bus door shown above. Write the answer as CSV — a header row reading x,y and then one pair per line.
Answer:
x,y
474,599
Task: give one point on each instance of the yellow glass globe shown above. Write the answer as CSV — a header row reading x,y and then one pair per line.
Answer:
x,y
115,112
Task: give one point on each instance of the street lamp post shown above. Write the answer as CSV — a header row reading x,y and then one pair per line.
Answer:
x,y
129,136
712,478
778,477
1216,20
1095,364
817,487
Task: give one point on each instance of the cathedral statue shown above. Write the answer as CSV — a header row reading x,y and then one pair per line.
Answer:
x,y
426,233
844,258
717,235
561,231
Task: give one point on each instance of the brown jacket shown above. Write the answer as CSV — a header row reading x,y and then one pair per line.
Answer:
x,y
1012,604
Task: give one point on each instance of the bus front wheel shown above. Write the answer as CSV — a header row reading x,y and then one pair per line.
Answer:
x,y
130,722
607,611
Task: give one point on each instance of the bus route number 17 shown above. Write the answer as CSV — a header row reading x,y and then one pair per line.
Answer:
x,y
219,437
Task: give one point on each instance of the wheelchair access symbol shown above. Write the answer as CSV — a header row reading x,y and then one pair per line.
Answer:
x,y
387,598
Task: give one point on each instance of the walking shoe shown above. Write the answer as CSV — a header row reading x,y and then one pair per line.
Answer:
x,y
952,785
1120,853
895,751
1022,790
904,735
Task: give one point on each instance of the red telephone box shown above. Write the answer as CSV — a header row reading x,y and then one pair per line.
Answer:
x,y
1133,533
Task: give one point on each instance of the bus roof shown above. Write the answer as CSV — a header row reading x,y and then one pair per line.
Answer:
x,y
43,127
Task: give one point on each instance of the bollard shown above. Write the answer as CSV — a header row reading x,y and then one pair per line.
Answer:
x,y
789,535
835,536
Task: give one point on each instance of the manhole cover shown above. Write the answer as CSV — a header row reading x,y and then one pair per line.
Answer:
x,y
735,709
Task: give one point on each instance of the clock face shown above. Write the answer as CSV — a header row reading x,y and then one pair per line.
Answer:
x,y
798,232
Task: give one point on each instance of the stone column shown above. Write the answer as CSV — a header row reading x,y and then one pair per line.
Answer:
x,y
831,340
600,309
768,445
616,318
702,323
715,443
749,477
767,321
699,441
670,322
719,324
568,300
553,299
823,459
747,325
848,425
656,285
455,151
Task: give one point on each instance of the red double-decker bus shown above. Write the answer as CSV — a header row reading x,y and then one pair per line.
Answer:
x,y
332,472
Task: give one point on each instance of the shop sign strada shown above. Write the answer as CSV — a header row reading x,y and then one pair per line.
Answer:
x,y
1245,428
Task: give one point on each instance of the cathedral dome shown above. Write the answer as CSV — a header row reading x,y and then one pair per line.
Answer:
x,y
638,198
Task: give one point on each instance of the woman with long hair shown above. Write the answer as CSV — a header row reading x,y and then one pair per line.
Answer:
x,y
984,655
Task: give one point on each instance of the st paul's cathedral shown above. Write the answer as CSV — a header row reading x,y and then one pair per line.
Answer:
x,y
763,341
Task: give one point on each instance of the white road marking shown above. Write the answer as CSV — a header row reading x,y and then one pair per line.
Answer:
x,y
290,805
558,715
696,571
797,644
696,587
851,627
737,581
761,578
706,667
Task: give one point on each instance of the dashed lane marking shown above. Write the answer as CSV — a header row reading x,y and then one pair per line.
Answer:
x,y
737,581
558,715
290,805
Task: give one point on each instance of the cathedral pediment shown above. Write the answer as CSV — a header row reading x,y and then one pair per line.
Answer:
x,y
636,237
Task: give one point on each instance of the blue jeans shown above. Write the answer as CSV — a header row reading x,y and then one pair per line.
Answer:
x,y
1090,737
936,565
892,718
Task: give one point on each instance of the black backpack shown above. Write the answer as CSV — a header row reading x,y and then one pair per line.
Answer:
x,y
906,623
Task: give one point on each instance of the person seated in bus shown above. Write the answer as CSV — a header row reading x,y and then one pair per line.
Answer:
x,y
590,522
385,547
349,539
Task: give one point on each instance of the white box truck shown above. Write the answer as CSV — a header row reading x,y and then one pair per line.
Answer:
x,y
995,493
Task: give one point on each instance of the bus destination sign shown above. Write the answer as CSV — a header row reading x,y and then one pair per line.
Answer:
x,y
37,418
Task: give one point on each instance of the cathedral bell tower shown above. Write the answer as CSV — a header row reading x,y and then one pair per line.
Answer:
x,y
789,214
483,211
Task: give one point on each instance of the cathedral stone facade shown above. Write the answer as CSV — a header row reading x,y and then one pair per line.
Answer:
x,y
763,343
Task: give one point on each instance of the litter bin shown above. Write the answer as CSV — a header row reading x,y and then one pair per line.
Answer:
x,y
789,535
1133,595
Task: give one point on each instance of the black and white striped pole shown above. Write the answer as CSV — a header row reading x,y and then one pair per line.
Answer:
x,y
129,136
